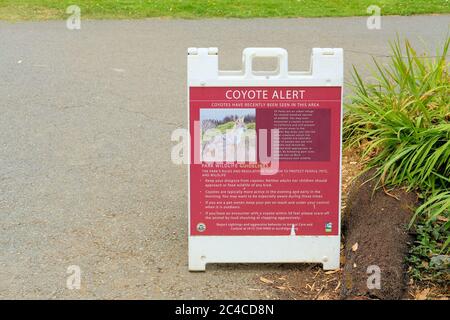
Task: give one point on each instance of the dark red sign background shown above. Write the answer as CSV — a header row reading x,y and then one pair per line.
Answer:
x,y
235,199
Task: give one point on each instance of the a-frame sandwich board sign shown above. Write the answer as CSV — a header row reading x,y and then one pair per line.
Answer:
x,y
265,160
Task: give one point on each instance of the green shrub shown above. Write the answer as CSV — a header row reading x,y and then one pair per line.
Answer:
x,y
401,118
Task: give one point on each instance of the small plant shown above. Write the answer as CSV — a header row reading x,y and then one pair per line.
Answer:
x,y
401,119
430,237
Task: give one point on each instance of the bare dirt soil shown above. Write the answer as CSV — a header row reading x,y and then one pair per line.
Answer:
x,y
376,238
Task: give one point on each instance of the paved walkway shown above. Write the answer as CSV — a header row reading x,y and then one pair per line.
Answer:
x,y
85,171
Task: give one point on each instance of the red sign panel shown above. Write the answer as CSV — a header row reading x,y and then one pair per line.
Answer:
x,y
264,160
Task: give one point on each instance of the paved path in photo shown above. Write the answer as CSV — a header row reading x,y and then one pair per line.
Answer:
x,y
86,119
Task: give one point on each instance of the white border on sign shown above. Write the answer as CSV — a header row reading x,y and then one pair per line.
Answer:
x,y
326,70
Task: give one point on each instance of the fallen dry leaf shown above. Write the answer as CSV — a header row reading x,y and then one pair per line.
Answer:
x,y
265,280
422,295
325,296
355,247
281,288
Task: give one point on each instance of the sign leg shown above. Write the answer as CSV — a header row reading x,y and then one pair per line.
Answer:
x,y
196,264
331,264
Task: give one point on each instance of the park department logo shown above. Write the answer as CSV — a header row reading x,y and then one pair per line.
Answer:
x,y
201,227
328,227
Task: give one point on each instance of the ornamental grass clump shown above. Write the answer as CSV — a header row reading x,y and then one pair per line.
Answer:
x,y
401,119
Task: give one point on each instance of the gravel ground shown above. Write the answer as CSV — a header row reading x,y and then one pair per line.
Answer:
x,y
85,172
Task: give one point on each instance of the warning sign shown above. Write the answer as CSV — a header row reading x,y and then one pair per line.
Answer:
x,y
265,154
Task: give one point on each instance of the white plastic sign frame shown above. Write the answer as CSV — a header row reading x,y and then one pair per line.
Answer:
x,y
203,71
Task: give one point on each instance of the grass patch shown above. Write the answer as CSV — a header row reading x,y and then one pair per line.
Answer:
x,y
18,10
225,126
401,119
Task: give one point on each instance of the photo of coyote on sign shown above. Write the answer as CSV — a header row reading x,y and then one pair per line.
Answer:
x,y
228,135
